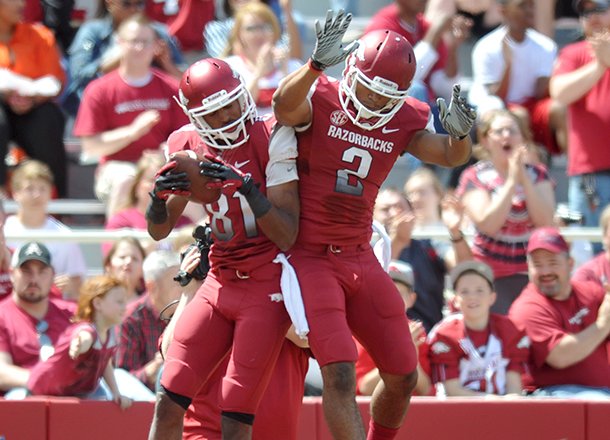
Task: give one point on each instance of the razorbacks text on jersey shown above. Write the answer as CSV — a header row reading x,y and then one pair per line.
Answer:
x,y
269,157
342,166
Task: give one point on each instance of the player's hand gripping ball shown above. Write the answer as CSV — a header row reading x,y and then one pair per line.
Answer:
x,y
188,162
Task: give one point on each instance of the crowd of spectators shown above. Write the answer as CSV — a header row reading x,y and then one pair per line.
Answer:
x,y
501,314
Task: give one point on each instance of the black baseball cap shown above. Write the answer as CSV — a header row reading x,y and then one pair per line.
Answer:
x,y
31,251
584,7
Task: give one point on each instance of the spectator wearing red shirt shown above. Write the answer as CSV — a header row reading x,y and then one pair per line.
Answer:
x,y
126,112
568,323
598,268
581,81
30,322
142,326
476,352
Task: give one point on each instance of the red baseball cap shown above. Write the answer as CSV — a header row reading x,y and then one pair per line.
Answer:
x,y
547,238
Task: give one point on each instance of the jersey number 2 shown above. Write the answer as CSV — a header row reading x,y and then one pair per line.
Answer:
x,y
343,183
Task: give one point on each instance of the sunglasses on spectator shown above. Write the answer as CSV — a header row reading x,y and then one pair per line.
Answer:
x,y
137,4
592,11
138,44
511,131
46,346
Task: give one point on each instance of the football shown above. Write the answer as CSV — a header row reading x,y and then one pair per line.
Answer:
x,y
187,161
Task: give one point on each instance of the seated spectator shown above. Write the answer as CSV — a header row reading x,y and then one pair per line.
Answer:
x,y
133,215
6,286
54,15
30,321
511,69
31,185
598,268
216,33
95,50
505,198
31,77
367,374
568,323
476,352
138,350
394,212
127,112
252,51
83,353
124,261
435,45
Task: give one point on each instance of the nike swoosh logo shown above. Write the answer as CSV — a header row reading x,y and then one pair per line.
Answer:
x,y
241,164
386,130
289,169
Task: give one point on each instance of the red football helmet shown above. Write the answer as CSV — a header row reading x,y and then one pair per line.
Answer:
x,y
384,63
207,86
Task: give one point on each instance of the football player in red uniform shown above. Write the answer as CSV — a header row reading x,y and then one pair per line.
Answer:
x,y
350,133
238,309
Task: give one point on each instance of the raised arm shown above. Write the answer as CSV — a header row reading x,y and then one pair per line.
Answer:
x,y
290,103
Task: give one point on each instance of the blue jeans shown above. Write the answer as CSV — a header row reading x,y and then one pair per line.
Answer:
x,y
578,200
573,392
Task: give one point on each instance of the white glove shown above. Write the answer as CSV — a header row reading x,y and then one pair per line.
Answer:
x,y
459,118
328,50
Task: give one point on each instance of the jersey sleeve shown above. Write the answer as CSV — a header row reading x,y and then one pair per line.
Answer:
x,y
516,347
444,355
281,167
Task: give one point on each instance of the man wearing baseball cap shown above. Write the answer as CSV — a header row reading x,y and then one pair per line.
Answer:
x,y
30,321
568,322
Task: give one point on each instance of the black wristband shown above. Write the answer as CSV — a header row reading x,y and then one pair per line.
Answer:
x,y
156,211
314,65
259,204
183,278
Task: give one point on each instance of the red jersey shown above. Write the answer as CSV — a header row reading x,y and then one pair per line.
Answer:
x,y
589,117
277,415
268,156
342,166
60,375
480,359
389,18
546,321
18,335
109,102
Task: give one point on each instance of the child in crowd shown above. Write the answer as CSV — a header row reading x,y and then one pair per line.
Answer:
x,y
84,352
476,352
367,375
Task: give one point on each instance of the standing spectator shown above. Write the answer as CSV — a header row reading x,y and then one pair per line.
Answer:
x,y
31,184
505,198
581,81
30,321
185,19
31,77
95,50
250,224
84,351
367,374
126,112
568,323
351,132
124,261
475,352
435,45
252,51
140,330
598,268
512,67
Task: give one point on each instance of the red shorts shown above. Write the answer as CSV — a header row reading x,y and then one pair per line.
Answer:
x,y
349,292
229,314
278,412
